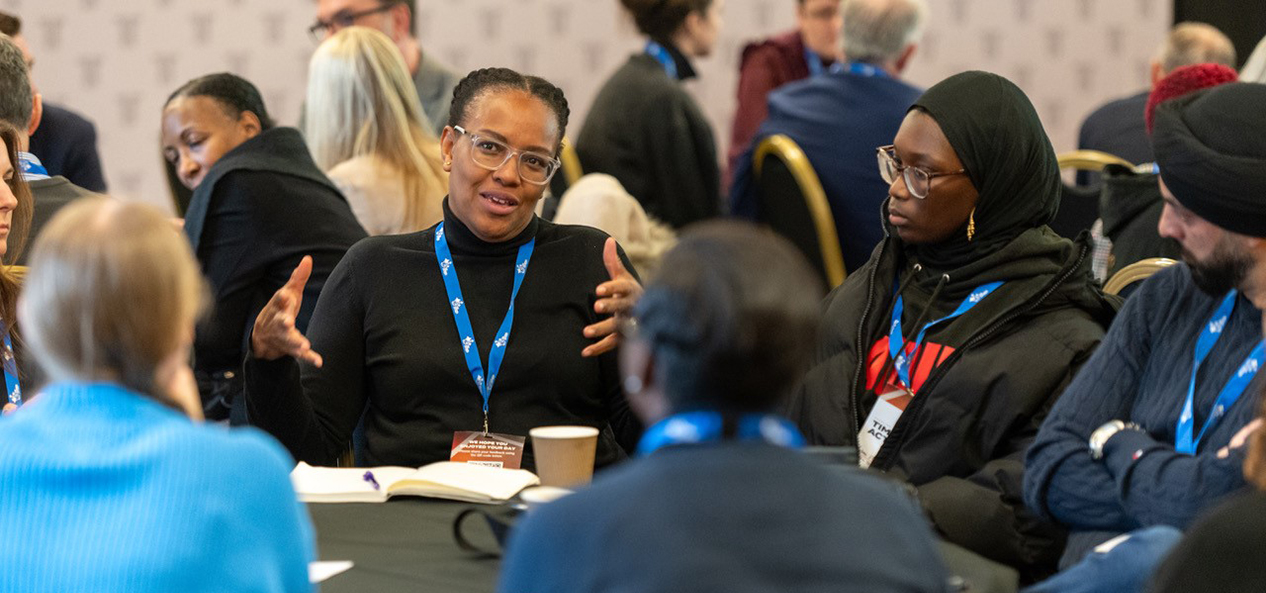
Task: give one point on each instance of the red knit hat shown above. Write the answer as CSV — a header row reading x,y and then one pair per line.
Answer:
x,y
1184,80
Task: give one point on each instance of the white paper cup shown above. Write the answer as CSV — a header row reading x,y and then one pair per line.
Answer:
x,y
564,454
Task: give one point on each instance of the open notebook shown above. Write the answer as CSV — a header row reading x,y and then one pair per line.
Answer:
x,y
444,479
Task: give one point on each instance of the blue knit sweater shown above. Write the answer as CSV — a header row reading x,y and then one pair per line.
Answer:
x,y
1140,374
102,489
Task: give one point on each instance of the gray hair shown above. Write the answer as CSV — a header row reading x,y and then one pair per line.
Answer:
x,y
877,31
16,100
1196,43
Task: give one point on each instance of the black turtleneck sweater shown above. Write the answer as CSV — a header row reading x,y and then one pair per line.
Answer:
x,y
389,342
647,132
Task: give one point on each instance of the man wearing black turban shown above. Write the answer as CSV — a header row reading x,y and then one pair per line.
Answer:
x,y
1150,432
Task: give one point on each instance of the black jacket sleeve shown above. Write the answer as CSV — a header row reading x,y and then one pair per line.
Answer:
x,y
311,410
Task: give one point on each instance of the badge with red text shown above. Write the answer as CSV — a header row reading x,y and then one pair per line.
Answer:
x,y
488,449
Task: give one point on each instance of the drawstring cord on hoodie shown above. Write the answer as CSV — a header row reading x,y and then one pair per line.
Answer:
x,y
913,329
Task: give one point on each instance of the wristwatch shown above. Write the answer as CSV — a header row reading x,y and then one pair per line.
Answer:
x,y
1100,436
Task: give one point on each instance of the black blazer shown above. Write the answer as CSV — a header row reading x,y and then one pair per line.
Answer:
x,y
261,208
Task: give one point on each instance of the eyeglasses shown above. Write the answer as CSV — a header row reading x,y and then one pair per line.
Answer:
x,y
342,20
918,181
534,167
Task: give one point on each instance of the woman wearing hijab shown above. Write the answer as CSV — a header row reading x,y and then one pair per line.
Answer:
x,y
941,355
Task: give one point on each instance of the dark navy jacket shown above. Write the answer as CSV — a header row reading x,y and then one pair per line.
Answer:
x,y
1140,374
838,119
733,517
66,144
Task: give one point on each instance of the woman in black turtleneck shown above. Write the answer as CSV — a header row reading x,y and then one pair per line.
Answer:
x,y
645,130
974,183
387,328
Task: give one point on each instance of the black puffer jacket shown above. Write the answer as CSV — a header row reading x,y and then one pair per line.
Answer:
x,y
961,441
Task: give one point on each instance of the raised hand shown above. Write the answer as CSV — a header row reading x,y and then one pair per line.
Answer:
x,y
275,334
616,297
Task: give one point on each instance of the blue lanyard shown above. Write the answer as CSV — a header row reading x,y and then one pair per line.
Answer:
x,y
11,372
664,58
816,66
864,69
1231,392
896,344
448,269
32,168
691,428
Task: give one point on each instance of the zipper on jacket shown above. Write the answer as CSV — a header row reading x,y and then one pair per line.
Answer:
x,y
894,439
861,329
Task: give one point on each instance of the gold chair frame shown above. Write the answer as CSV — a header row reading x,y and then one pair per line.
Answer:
x,y
1090,160
786,150
1136,272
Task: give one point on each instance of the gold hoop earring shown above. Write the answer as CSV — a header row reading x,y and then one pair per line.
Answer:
x,y
971,224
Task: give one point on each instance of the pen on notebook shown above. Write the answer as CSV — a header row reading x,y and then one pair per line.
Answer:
x,y
369,477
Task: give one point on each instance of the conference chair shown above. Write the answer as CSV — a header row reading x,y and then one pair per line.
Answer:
x,y
571,162
791,201
18,272
1136,272
1078,205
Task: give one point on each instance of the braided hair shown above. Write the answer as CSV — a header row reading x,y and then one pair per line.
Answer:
x,y
486,80
234,93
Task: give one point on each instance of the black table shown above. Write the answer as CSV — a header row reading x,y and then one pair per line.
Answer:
x,y
404,544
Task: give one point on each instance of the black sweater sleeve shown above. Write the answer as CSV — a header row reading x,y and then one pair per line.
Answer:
x,y
314,416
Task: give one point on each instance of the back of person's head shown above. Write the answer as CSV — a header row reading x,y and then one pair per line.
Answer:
x,y
113,291
234,93
1195,43
16,96
1183,80
660,19
879,31
362,101
730,319
484,81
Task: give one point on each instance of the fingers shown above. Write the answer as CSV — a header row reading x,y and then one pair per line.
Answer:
x,y
1241,437
299,277
602,346
601,329
621,286
611,259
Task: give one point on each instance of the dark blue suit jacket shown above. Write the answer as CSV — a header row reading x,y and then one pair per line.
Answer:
x,y
66,144
1118,128
838,119
733,517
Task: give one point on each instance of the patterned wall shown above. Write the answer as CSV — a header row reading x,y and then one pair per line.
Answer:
x,y
117,60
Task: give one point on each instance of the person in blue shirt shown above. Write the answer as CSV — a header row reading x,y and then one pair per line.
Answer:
x,y
1149,434
838,118
110,480
720,499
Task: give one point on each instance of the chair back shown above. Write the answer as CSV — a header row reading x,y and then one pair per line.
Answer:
x,y
18,273
792,202
571,163
1136,272
1089,160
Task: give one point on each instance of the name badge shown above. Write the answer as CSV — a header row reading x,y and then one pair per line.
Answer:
x,y
488,449
879,423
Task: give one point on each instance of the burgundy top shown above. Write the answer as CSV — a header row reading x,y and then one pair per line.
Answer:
x,y
765,66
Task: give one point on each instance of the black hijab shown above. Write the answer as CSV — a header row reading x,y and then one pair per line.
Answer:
x,y
996,133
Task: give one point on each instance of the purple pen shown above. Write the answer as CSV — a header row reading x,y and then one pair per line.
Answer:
x,y
369,477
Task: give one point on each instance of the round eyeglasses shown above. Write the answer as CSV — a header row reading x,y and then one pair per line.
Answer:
x,y
534,167
918,181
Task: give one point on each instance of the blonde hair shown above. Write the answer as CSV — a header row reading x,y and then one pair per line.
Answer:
x,y
361,101
113,291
